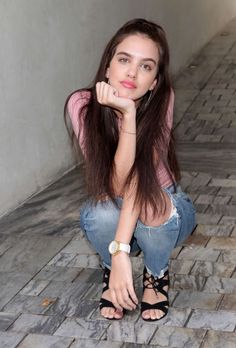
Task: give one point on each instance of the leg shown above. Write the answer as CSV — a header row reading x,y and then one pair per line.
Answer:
x,y
99,223
157,244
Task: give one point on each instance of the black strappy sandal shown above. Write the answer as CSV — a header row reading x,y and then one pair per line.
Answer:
x,y
103,302
157,284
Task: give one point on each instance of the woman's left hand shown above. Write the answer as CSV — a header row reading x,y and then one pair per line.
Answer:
x,y
121,282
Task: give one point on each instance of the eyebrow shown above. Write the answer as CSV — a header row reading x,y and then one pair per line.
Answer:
x,y
130,56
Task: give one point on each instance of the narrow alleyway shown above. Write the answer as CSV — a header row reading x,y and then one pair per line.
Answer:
x,y
50,278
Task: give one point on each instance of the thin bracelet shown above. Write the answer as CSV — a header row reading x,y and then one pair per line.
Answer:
x,y
124,131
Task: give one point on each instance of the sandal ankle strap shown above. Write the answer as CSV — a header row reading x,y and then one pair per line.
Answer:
x,y
155,283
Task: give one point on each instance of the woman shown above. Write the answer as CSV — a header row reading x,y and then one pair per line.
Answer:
x,y
123,127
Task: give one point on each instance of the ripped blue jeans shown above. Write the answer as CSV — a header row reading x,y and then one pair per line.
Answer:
x,y
99,223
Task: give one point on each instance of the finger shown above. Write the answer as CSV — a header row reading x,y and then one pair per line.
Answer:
x,y
103,88
122,299
98,91
128,303
111,92
114,300
107,93
132,294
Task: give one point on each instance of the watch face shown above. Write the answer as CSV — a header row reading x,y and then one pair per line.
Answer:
x,y
113,247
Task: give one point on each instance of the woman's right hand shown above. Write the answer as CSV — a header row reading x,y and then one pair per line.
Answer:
x,y
121,283
108,96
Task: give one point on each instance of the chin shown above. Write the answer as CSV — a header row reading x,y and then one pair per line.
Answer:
x,y
127,94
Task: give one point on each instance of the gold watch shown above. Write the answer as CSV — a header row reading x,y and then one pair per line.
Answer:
x,y
115,247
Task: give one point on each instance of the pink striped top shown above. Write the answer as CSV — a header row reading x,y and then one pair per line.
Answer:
x,y
80,99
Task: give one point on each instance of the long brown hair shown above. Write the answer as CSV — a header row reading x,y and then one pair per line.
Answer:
x,y
102,135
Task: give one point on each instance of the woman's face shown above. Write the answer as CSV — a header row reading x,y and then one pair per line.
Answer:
x,y
133,68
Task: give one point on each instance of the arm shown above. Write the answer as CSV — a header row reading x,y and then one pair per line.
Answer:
x,y
125,152
121,280
121,283
126,148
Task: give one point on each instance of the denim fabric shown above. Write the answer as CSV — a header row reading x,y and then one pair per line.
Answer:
x,y
99,223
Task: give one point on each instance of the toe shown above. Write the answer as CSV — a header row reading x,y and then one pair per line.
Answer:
x,y
105,312
153,314
110,313
118,314
146,314
159,314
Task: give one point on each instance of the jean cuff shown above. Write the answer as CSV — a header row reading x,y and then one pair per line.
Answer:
x,y
157,275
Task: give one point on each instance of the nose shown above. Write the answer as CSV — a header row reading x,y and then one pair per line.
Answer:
x,y
132,71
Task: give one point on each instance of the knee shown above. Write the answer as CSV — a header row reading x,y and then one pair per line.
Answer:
x,y
101,216
148,218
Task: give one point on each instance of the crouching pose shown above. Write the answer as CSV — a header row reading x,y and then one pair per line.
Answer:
x,y
122,124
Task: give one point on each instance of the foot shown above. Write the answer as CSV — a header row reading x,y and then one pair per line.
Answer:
x,y
107,308
110,312
153,296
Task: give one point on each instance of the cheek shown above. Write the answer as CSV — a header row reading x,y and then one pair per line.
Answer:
x,y
149,83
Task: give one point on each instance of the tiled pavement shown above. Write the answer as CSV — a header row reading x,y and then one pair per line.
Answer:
x,y
50,279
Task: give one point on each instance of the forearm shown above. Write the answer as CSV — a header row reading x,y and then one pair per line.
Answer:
x,y
126,150
129,215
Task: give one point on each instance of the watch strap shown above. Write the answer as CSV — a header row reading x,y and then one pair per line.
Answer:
x,y
124,247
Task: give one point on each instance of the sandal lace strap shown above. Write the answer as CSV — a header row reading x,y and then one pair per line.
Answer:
x,y
106,275
155,283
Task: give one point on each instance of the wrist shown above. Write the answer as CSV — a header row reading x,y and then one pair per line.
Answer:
x,y
116,247
129,115
119,254
128,124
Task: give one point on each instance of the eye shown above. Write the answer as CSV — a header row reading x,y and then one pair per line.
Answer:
x,y
123,60
146,67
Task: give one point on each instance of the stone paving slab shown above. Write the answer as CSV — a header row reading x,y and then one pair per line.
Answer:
x,y
10,339
32,323
45,341
137,345
29,304
140,332
50,273
220,285
197,299
199,253
219,339
6,319
42,250
75,327
10,284
89,343
178,337
219,269
229,302
215,320
222,243
214,230
227,256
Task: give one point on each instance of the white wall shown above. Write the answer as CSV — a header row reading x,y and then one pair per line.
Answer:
x,y
51,47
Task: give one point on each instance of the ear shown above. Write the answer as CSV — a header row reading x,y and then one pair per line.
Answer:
x,y
107,73
153,85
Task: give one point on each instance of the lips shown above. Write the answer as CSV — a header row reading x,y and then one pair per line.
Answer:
x,y
128,84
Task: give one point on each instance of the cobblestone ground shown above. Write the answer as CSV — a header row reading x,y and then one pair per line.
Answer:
x,y
50,279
